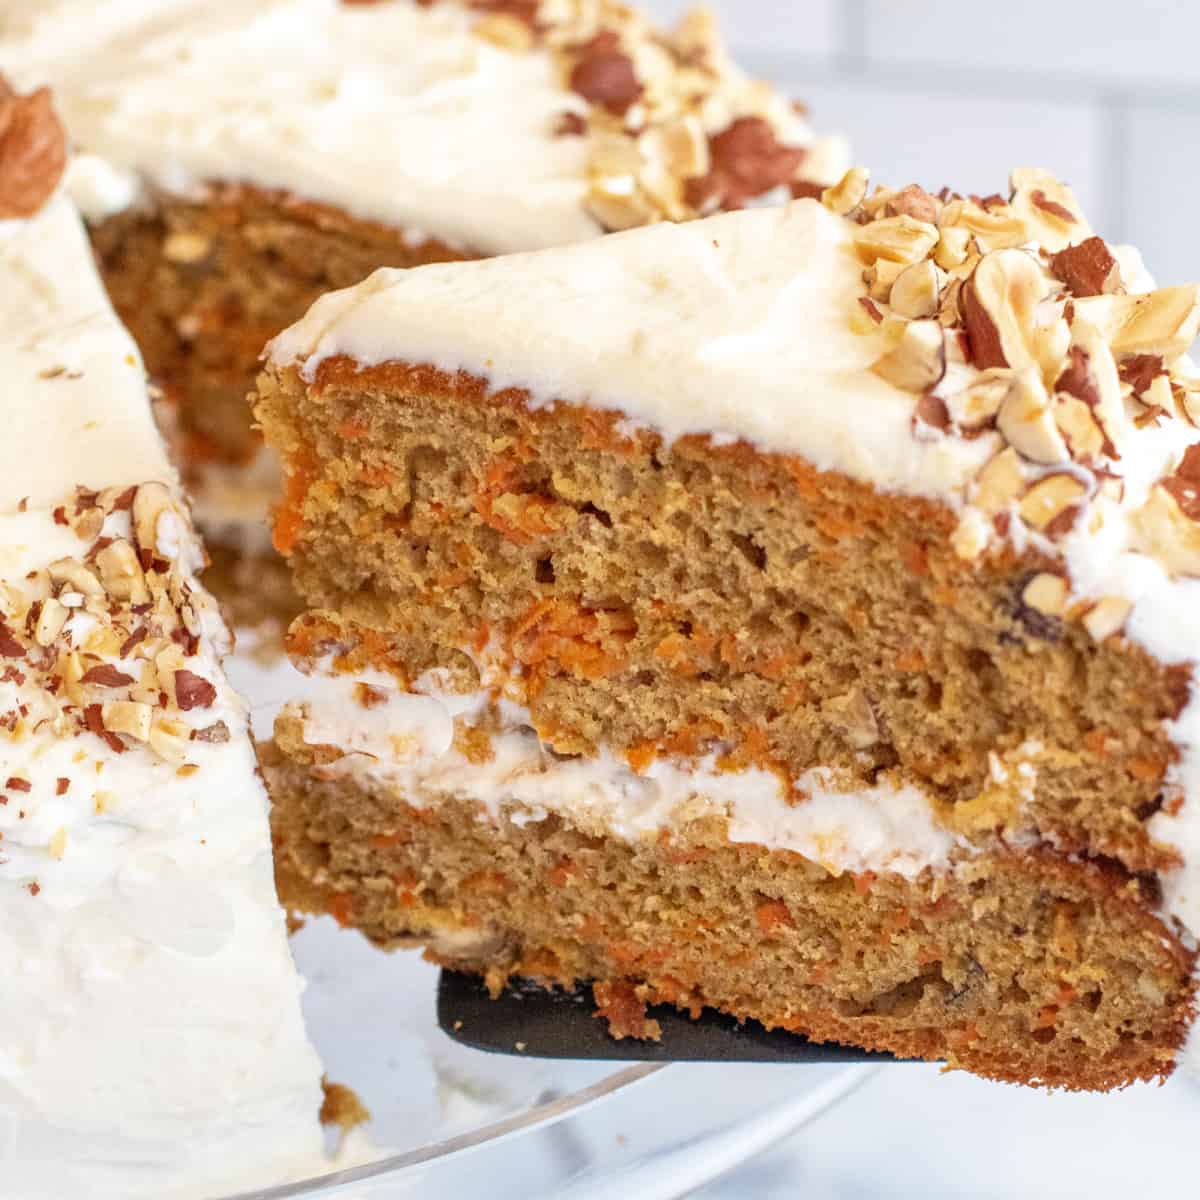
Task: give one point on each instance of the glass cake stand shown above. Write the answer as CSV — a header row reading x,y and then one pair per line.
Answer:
x,y
449,1120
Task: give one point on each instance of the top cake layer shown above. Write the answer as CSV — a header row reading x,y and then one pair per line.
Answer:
x,y
991,354
490,126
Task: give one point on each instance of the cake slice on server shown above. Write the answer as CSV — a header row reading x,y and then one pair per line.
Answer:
x,y
151,1042
242,159
794,612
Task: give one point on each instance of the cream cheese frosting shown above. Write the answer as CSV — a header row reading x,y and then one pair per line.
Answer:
x,y
404,741
151,1040
309,96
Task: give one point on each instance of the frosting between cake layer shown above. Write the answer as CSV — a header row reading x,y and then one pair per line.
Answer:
x,y
312,97
404,741
151,1041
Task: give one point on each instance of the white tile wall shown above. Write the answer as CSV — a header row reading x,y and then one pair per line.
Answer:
x,y
805,28
1105,92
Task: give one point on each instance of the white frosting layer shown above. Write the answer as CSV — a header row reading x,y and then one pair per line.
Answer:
x,y
151,1042
393,112
74,388
405,742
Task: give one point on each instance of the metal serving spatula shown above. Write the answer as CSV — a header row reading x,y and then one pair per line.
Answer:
x,y
534,1022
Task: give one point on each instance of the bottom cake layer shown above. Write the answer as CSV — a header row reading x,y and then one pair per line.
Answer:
x,y
1027,967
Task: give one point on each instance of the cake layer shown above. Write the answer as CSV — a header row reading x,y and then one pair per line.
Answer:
x,y
658,598
151,1041
850,917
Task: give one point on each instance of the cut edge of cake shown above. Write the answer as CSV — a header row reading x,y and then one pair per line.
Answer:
x,y
512,525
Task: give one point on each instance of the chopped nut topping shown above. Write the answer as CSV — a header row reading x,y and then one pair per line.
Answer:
x,y
1107,617
1027,420
1047,593
33,151
918,360
999,303
1052,499
916,290
847,194
1088,269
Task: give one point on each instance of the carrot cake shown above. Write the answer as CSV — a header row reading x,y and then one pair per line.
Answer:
x,y
151,1041
794,612
242,159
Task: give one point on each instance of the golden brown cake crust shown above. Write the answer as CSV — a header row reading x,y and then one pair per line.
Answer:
x,y
1025,968
659,599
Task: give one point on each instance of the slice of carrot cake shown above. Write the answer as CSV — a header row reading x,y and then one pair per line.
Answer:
x,y
243,159
151,1042
793,612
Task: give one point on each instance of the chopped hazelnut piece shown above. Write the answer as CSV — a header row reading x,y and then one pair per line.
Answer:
x,y
918,360
1047,593
71,573
1000,482
128,717
50,622
1026,419
1089,269
1051,499
916,291
999,305
121,573
1107,617
896,239
848,193
1166,532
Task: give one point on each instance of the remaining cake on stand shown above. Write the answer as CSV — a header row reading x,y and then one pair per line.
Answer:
x,y
243,159
794,612
151,1041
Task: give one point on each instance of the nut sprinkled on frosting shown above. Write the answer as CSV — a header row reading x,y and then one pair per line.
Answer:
x,y
675,130
33,151
112,650
1039,346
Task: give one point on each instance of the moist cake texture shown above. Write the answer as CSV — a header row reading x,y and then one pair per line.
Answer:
x,y
793,612
224,201
151,1041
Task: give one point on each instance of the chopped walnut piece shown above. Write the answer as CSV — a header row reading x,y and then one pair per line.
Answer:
x,y
33,151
